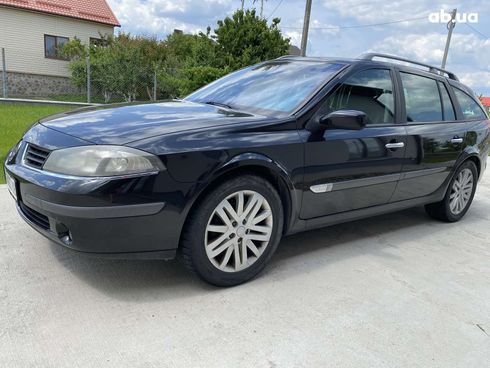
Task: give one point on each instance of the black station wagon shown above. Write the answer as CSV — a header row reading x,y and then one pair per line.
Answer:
x,y
273,149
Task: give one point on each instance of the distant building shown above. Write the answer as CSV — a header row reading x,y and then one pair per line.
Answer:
x,y
486,103
294,50
32,31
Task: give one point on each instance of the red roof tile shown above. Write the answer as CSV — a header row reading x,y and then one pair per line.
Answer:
x,y
485,101
92,10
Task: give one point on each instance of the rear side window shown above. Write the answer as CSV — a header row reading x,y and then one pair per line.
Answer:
x,y
448,108
369,91
422,100
469,107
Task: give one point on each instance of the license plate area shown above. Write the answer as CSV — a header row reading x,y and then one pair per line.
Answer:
x,y
12,185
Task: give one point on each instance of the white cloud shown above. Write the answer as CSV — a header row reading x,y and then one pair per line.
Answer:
x,y
477,80
469,55
382,11
426,48
430,47
161,17
323,27
295,37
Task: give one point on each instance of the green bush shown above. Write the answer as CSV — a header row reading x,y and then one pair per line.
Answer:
x,y
124,66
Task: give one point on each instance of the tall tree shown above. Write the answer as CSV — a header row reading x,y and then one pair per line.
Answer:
x,y
246,39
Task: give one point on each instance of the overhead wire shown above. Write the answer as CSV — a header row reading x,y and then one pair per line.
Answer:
x,y
360,25
273,11
476,31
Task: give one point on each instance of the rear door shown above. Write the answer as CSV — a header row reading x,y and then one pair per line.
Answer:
x,y
352,169
435,137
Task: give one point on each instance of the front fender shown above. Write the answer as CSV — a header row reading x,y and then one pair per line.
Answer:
x,y
252,160
255,159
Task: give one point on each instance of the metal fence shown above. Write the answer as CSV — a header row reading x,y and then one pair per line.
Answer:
x,y
5,90
123,86
30,75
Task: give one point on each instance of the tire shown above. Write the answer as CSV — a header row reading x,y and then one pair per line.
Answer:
x,y
448,210
212,234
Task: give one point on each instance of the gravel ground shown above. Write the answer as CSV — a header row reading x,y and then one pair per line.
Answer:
x,y
400,290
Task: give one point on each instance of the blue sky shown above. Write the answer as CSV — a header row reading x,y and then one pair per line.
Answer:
x,y
469,56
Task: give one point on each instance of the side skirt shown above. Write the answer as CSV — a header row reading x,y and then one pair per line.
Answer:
x,y
362,213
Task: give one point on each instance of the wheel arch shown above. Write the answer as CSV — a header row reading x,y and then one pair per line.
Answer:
x,y
253,164
476,161
472,154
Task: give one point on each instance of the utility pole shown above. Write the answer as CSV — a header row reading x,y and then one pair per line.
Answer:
x,y
450,26
261,7
243,4
306,26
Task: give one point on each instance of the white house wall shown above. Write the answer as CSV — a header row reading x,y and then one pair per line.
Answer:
x,y
22,35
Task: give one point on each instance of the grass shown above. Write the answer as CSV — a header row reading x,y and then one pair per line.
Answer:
x,y
97,98
15,119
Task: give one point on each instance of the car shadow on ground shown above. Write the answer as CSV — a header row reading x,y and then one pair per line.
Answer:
x,y
159,280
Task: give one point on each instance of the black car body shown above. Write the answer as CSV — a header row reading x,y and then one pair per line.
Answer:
x,y
323,174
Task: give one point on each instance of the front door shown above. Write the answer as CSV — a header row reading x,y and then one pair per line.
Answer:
x,y
352,169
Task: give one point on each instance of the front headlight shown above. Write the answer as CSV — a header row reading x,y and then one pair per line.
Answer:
x,y
102,161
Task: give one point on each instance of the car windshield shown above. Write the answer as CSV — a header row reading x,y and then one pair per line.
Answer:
x,y
276,87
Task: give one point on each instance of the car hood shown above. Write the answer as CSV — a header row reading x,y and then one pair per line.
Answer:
x,y
122,124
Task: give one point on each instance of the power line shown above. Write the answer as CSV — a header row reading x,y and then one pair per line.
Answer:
x,y
476,31
272,12
362,25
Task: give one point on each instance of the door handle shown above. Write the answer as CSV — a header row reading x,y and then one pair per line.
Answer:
x,y
395,145
456,140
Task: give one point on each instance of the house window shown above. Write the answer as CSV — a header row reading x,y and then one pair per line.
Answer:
x,y
53,45
98,42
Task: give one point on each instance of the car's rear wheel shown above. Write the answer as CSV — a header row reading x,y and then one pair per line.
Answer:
x,y
459,195
233,231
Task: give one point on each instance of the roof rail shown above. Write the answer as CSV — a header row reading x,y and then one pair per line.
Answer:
x,y
432,69
286,56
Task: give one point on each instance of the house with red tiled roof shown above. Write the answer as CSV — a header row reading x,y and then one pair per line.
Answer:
x,y
486,103
31,33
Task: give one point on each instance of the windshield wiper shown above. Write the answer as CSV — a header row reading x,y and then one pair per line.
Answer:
x,y
220,104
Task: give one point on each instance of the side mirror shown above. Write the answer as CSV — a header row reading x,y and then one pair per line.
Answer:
x,y
345,119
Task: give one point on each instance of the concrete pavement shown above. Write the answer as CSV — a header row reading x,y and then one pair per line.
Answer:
x,y
399,290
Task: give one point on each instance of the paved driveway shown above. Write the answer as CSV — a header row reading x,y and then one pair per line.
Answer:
x,y
399,290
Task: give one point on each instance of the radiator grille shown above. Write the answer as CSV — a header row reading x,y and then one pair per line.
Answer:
x,y
36,156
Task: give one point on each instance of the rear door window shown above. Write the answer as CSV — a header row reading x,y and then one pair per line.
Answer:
x,y
422,100
469,107
448,108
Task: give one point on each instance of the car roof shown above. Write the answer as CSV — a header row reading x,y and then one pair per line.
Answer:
x,y
368,59
450,77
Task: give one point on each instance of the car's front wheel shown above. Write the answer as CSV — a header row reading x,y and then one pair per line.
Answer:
x,y
459,195
233,231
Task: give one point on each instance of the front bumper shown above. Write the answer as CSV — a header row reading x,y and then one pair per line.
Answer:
x,y
117,218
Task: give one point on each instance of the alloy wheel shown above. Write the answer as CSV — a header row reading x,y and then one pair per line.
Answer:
x,y
238,231
461,191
